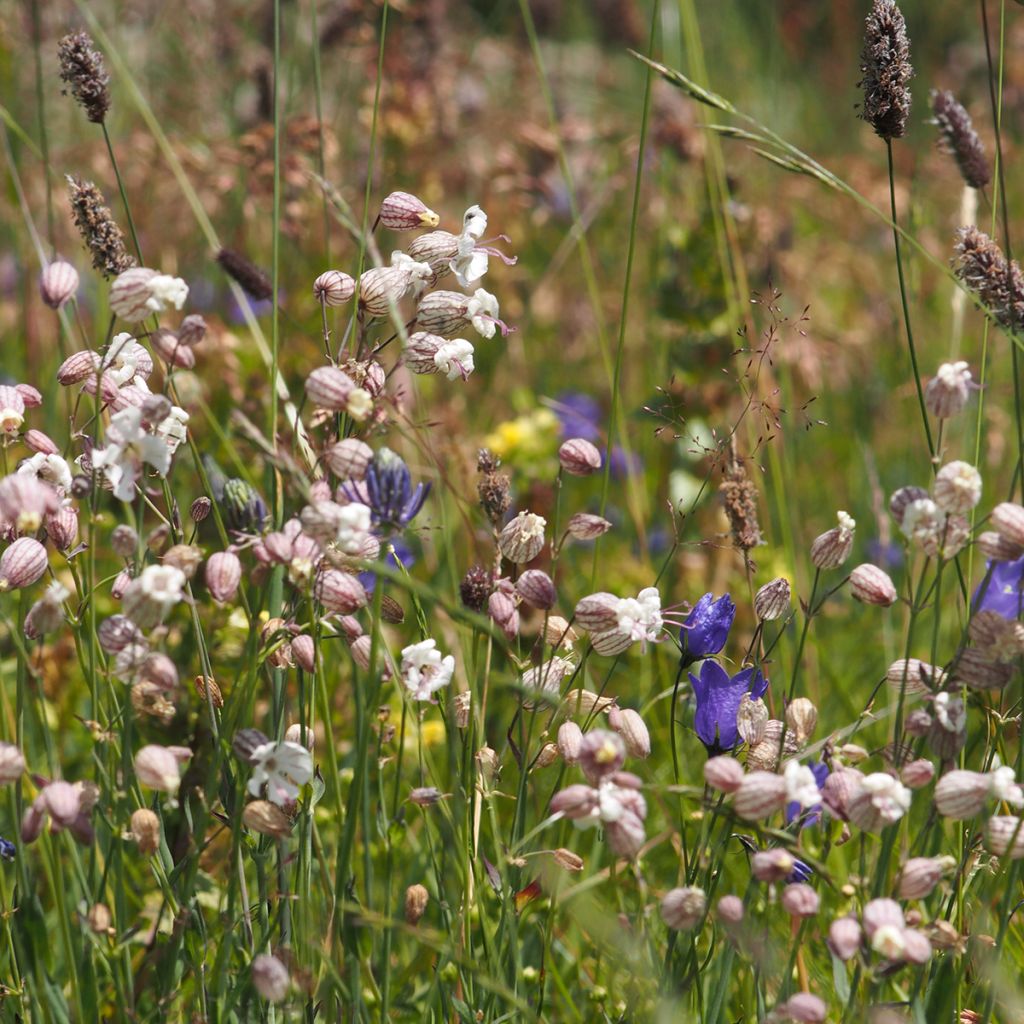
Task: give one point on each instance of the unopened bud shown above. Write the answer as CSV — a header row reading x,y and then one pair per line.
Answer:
x,y
872,585
773,600
579,457
416,900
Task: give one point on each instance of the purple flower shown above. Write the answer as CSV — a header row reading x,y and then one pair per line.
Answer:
x,y
718,700
705,629
812,815
1004,592
579,415
800,873
402,555
387,490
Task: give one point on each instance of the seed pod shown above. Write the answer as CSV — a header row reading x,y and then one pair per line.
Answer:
x,y
58,283
462,702
800,900
723,773
62,527
200,509
502,610
567,860
584,526
1008,520
980,671
208,689
145,829
401,211
22,564
683,909
773,600
266,818
333,288
759,795
579,457
536,588
303,652
584,702
223,574
522,540
339,592
416,900
872,585
349,459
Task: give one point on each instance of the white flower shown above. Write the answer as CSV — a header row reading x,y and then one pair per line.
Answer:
x,y
846,521
482,311
471,263
1004,787
282,768
957,487
801,786
949,712
888,795
639,617
174,429
923,521
50,468
165,291
888,941
418,275
126,361
455,358
122,460
424,671
158,587
353,527
359,404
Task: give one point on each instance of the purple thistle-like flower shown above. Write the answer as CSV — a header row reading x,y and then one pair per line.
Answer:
x,y
811,815
1004,592
706,628
718,700
387,490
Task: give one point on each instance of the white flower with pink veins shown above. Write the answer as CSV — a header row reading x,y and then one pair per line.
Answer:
x,y
424,671
129,450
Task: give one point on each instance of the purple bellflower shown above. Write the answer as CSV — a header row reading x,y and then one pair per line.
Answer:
x,y
706,628
388,491
718,700
1004,592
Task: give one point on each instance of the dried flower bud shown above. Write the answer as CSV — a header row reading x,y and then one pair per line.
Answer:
x,y
885,65
763,755
536,588
522,540
200,509
186,558
58,283
579,457
801,718
773,600
584,702
208,689
584,526
723,773
832,548
567,860
800,900
416,900
402,211
947,392
630,726
872,585
266,818
558,633
333,288
145,829
759,795
270,978
22,564
683,909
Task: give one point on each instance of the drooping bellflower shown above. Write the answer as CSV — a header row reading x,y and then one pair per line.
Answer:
x,y
388,491
706,628
718,700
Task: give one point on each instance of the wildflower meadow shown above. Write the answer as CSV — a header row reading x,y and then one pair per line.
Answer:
x,y
511,511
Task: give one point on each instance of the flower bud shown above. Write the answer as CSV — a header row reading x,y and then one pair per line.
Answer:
x,y
584,526
914,676
339,592
997,548
186,558
124,541
58,283
773,600
918,773
730,910
145,829
39,442
832,548
1000,831
62,527
416,900
266,818
304,653
333,288
401,211
920,875
597,613
845,937
683,909
1008,521
270,978
759,795
12,763
191,330
723,773
329,388
502,609
159,768
579,457
522,540
169,347
961,794
838,791
804,1008
536,588
904,497
772,865
630,726
800,900
22,564
946,394
223,574
872,585
801,718
78,367
570,742
200,509
567,860
349,459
